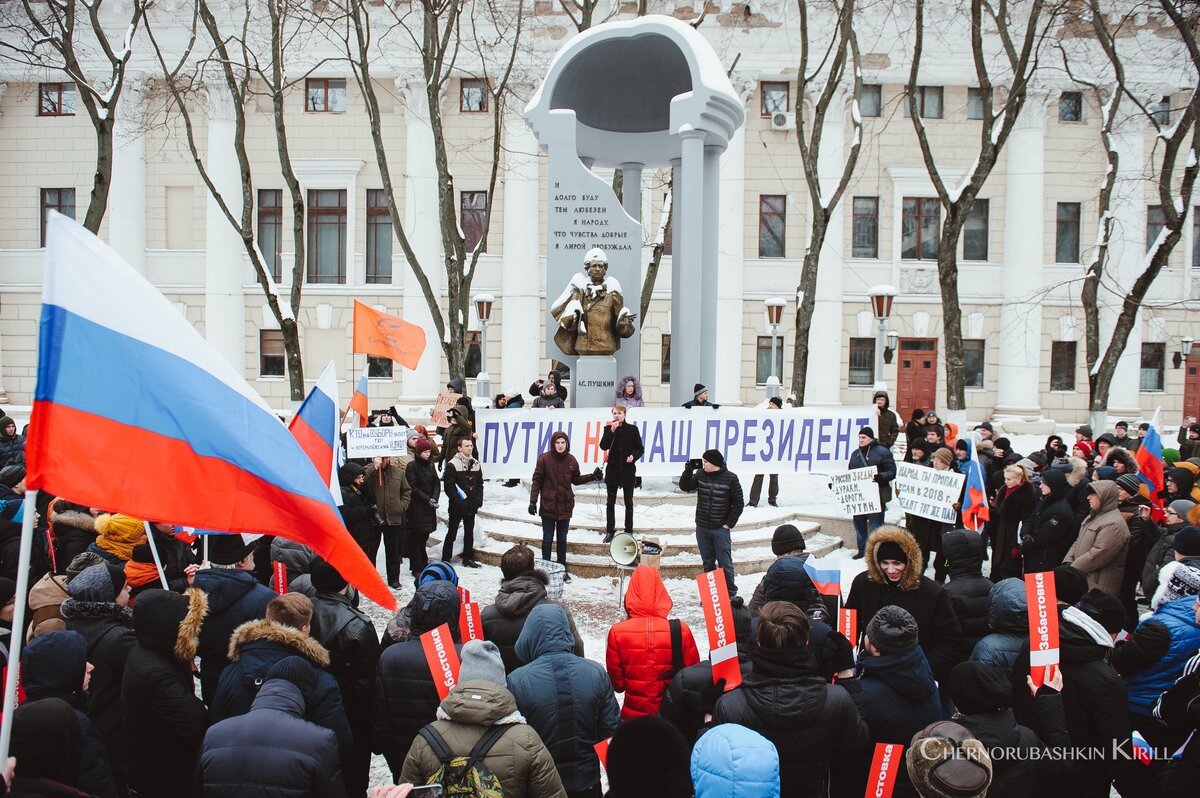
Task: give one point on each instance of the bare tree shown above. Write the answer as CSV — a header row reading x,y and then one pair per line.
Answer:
x,y
823,74
1020,46
70,36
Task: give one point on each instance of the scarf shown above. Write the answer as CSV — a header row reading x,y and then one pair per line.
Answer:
x,y
140,573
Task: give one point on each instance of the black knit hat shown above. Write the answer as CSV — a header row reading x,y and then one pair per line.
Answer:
x,y
10,475
698,389
715,457
1003,443
892,630
1070,584
890,550
325,578
776,401
227,549
870,433
786,538
1105,608
8,589
1130,483
296,670
977,687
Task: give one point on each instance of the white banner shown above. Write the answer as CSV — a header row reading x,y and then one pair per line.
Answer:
x,y
927,492
376,441
752,440
856,490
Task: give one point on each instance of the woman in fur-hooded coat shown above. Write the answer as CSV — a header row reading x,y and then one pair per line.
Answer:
x,y
625,397
74,530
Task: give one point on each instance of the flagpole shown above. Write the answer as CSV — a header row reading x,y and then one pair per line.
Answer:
x,y
204,546
162,577
18,624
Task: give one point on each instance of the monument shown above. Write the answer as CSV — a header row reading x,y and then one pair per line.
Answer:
x,y
596,107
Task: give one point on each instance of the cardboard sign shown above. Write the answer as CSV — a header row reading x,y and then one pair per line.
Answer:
x,y
377,441
856,490
1043,625
602,752
445,401
279,581
885,766
718,617
469,625
927,492
442,659
848,626
651,552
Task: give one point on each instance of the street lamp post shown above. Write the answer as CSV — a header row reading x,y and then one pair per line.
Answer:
x,y
774,306
483,308
882,297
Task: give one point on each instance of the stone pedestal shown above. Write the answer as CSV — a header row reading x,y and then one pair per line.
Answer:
x,y
594,381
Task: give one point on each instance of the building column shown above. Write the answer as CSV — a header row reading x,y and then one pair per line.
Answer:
x,y
423,227
224,257
1020,340
686,264
520,336
3,392
731,260
127,198
710,277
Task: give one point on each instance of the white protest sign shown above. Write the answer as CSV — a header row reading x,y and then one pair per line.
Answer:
x,y
377,441
856,490
927,492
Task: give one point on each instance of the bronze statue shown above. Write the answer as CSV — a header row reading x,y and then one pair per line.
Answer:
x,y
591,312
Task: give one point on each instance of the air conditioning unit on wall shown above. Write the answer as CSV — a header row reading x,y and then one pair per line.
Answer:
x,y
783,121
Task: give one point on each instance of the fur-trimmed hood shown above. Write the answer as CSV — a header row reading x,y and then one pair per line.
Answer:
x,y
1078,471
908,544
619,396
70,516
168,623
275,632
1125,456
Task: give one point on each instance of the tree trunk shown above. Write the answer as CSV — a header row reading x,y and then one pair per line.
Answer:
x,y
102,180
951,310
804,310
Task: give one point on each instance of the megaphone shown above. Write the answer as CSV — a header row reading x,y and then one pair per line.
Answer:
x,y
625,549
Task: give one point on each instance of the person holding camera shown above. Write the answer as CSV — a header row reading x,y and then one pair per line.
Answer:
x,y
623,442
554,478
719,503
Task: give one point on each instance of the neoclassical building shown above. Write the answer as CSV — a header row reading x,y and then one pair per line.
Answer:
x,y
1022,254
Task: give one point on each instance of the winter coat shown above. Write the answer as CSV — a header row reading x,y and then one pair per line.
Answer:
x,y
1018,774
1008,620
460,430
45,606
357,515
881,458
689,698
788,580
164,719
812,723
107,630
578,712
297,558
1103,542
1154,655
549,401
519,759
12,450
939,632
1077,485
639,656
553,478
1050,531
423,481
887,425
270,752
735,763
968,588
900,698
535,389
619,397
349,637
719,497
234,597
625,441
1161,553
503,620
253,649
1185,483
1143,534
461,473
1009,513
74,529
390,489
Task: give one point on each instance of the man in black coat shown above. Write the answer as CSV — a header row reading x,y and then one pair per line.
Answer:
x,y
870,453
1048,534
349,637
969,590
357,511
272,750
623,442
719,504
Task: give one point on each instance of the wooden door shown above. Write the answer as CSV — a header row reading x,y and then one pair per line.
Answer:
x,y
916,376
1191,387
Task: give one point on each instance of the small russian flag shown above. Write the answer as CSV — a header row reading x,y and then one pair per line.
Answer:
x,y
1142,751
358,400
825,576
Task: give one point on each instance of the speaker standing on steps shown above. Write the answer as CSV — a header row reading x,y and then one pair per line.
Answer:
x,y
623,442
554,478
719,504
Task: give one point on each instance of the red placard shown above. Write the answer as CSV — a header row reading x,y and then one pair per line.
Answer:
x,y
848,625
279,577
1043,625
602,752
718,617
885,765
469,625
442,658
464,595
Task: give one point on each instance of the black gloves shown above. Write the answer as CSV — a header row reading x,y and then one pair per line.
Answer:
x,y
710,693
598,474
533,508
694,464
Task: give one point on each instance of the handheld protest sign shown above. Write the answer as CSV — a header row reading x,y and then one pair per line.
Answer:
x,y
1043,625
469,625
885,765
442,659
848,626
718,617
279,578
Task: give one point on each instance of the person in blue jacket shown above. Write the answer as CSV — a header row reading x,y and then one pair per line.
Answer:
x,y
731,761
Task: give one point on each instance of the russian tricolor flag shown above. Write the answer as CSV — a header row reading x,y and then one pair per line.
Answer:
x,y
133,410
315,426
1142,751
975,505
1149,457
826,576
358,399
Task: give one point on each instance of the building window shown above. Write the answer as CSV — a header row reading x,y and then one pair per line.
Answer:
x,y
975,231
472,212
379,368
775,97
870,102
56,99
325,95
919,228
1066,238
772,225
1196,237
1155,221
862,362
929,102
664,368
471,362
327,235
271,359
472,95
1070,106
1062,365
1153,366
973,362
1161,111
56,199
379,237
270,230
765,365
866,227
974,103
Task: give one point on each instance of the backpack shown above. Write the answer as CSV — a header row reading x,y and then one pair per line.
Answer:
x,y
465,775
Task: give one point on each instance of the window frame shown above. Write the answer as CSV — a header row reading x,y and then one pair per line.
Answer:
x,y
1160,111
873,217
976,93
470,83
878,89
921,206
763,86
973,215
482,212
923,95
781,215
664,359
472,347
46,206
327,89
1196,237
1072,94
1059,222
271,216
378,223
337,215
763,343
981,345
59,87
1155,227
1157,351
380,368
1058,350
865,347
273,337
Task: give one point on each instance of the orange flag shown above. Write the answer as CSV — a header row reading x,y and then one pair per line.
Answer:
x,y
384,335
